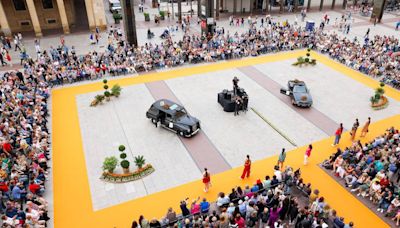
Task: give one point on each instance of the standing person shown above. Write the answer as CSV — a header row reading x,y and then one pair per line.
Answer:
x,y
338,135
307,154
247,167
37,46
16,43
281,159
62,40
364,130
3,63
206,180
354,129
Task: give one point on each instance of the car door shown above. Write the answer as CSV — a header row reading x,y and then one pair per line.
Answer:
x,y
169,122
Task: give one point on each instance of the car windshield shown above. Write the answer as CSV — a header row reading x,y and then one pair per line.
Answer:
x,y
300,89
180,112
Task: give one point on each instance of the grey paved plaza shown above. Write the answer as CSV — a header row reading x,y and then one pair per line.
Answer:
x,y
123,121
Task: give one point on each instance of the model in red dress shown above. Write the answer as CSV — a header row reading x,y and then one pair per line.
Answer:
x,y
247,167
206,180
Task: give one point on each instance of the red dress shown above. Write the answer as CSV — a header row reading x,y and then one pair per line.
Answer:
x,y
206,178
246,170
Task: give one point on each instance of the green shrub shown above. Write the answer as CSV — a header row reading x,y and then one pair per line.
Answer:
x,y
121,148
308,49
382,84
125,164
140,161
307,60
105,81
105,86
380,91
107,94
308,54
122,156
162,13
116,90
110,163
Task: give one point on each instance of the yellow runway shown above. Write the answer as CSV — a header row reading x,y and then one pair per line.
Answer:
x,y
72,199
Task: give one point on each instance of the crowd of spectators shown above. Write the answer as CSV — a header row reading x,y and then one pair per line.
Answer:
x,y
281,201
372,171
372,56
24,150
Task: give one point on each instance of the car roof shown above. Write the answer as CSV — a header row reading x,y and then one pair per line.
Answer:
x,y
167,106
297,82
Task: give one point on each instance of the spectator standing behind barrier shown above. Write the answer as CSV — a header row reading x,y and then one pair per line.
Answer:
x,y
206,180
307,154
354,130
281,158
338,135
247,167
364,130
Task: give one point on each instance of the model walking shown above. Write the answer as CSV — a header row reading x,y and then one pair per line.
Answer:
x,y
206,180
364,130
281,158
247,167
307,154
338,135
354,130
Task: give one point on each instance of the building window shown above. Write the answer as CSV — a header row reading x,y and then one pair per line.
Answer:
x,y
19,5
47,4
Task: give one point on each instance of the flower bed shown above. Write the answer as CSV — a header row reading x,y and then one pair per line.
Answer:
x,y
122,178
381,104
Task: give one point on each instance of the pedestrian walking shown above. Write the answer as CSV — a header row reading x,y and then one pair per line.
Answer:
x,y
307,154
367,33
338,135
247,167
364,130
281,158
354,130
206,180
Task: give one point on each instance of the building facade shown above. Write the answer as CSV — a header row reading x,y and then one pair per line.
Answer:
x,y
40,16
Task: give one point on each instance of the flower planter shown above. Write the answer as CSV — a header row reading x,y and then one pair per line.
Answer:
x,y
127,177
381,104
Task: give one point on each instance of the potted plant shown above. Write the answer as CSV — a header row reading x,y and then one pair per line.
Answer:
x,y
116,90
109,164
146,16
125,166
107,94
140,161
162,15
117,17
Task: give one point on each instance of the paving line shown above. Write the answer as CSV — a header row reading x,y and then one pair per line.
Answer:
x,y
273,126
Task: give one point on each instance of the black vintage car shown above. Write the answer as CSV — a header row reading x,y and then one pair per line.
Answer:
x,y
173,117
298,93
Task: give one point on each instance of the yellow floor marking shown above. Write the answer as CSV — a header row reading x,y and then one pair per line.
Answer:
x,y
72,198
